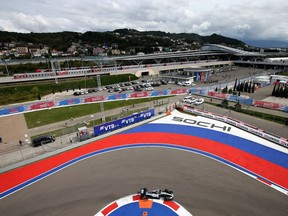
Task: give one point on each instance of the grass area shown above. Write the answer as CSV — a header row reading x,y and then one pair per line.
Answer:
x,y
29,92
44,117
73,129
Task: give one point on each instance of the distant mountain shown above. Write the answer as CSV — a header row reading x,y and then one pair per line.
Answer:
x,y
188,37
124,39
267,43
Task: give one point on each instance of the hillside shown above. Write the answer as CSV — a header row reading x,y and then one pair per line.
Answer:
x,y
123,39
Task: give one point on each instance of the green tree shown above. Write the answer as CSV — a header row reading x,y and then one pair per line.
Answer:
x,y
225,90
225,103
237,106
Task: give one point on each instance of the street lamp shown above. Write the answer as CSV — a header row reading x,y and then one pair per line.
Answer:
x,y
5,66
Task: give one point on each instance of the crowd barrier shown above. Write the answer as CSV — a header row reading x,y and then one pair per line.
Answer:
x,y
271,105
249,128
123,122
89,99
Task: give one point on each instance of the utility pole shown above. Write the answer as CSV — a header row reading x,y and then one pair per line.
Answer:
x,y
5,66
101,103
55,65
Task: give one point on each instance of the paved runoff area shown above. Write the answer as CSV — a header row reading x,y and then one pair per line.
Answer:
x,y
134,205
248,154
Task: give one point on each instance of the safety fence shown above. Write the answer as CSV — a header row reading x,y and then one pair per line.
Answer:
x,y
249,128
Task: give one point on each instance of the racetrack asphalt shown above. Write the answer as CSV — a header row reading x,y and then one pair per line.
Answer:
x,y
203,186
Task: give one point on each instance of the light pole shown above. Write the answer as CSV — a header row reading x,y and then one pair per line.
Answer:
x,y
101,103
5,66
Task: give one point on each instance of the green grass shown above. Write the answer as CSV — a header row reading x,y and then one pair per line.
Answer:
x,y
44,117
73,129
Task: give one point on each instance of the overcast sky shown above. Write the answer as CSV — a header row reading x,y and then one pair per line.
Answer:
x,y
242,19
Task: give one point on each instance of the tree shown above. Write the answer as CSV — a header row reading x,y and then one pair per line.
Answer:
x,y
225,90
225,103
237,106
235,85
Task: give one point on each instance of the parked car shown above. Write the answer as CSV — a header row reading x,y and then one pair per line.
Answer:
x,y
191,100
185,99
77,93
42,140
199,101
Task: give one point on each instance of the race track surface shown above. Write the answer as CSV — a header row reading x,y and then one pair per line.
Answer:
x,y
203,166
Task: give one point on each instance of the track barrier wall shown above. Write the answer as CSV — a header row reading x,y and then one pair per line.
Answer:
x,y
123,122
89,99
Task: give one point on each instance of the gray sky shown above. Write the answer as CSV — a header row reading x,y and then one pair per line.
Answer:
x,y
242,19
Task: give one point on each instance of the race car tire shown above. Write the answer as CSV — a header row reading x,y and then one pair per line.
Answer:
x,y
143,192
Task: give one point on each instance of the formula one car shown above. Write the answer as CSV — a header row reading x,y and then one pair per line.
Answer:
x,y
166,195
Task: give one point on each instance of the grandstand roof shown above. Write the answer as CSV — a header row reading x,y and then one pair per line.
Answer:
x,y
237,52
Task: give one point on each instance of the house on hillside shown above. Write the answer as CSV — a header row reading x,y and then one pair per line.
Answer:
x,y
22,49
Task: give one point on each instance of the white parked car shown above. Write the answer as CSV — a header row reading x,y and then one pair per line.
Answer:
x,y
199,101
185,99
189,99
192,100
149,89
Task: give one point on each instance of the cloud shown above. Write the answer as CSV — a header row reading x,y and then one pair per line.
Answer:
x,y
241,29
258,19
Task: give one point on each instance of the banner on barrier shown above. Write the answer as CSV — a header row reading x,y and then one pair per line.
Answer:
x,y
117,96
94,99
159,93
69,102
12,110
218,95
42,105
123,122
267,104
139,94
179,91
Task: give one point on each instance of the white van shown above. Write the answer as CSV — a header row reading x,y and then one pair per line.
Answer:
x,y
188,82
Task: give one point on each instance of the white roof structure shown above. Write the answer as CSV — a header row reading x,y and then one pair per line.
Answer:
x,y
234,51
